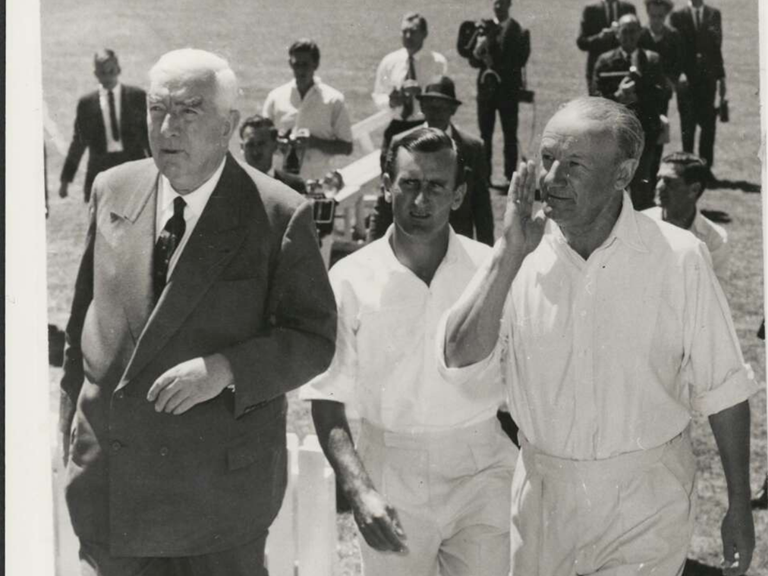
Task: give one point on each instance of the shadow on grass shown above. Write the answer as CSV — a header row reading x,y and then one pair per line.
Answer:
x,y
743,185
695,568
716,216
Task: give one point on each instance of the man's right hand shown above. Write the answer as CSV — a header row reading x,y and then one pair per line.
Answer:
x,y
378,521
66,415
521,230
63,189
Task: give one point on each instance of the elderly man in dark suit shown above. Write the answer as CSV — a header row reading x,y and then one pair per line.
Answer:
x,y
258,142
597,32
474,217
701,28
200,301
111,123
634,77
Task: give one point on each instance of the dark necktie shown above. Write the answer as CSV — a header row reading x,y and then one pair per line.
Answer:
x,y
697,18
611,10
166,245
410,75
113,116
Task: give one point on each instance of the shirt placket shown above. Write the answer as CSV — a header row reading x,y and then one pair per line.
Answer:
x,y
584,346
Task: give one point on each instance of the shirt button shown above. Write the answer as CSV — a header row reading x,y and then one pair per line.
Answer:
x,y
116,446
163,451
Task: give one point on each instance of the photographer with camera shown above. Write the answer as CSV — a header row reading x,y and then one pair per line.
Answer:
x,y
311,117
499,48
634,77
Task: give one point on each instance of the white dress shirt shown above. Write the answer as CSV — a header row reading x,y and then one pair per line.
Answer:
x,y
322,111
195,204
392,71
385,366
112,144
714,237
611,355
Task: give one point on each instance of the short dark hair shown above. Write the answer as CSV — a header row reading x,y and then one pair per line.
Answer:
x,y
667,4
305,45
692,168
425,140
415,16
256,122
105,55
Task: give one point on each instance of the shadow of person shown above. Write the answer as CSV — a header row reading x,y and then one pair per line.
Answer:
x,y
696,568
743,185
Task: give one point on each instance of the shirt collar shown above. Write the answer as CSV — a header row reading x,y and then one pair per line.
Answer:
x,y
451,254
416,57
196,200
116,90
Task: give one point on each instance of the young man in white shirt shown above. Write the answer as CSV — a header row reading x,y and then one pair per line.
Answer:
x,y
429,480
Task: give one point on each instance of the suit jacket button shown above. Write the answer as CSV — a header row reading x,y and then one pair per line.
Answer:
x,y
116,445
163,451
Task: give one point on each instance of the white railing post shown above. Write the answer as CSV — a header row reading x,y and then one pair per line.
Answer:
x,y
281,549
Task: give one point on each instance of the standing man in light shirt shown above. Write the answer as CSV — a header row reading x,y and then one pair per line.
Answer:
x,y
682,180
201,299
402,75
308,104
611,329
429,481
111,123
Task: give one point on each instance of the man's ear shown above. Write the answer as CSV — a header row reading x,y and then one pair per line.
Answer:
x,y
458,196
625,172
233,121
386,183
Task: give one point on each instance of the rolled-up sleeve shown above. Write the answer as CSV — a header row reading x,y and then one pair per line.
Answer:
x,y
713,365
337,383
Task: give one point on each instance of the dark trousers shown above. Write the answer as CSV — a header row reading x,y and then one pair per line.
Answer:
x,y
395,127
696,106
244,560
507,108
99,164
642,187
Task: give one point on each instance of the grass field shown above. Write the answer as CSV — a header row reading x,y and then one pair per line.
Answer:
x,y
353,36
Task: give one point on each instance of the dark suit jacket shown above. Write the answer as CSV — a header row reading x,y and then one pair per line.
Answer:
x,y
251,285
474,218
291,180
593,21
703,57
651,97
509,53
669,47
89,132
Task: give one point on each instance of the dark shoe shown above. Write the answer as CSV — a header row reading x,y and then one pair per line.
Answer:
x,y
760,502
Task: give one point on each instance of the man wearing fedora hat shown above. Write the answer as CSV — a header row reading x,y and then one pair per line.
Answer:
x,y
474,217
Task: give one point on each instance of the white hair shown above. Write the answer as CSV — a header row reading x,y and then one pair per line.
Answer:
x,y
193,63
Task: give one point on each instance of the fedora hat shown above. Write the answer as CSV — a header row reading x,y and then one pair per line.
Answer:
x,y
441,87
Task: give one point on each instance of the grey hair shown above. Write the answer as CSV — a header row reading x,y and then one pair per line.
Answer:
x,y
193,63
620,120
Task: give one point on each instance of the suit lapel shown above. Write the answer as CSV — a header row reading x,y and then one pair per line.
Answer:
x,y
215,239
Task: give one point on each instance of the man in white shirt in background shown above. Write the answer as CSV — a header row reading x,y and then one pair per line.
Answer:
x,y
611,329
306,104
402,75
429,481
682,180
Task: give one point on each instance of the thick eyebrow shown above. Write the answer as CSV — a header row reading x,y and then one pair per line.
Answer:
x,y
193,102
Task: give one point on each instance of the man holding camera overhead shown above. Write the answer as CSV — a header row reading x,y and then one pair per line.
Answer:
x,y
311,117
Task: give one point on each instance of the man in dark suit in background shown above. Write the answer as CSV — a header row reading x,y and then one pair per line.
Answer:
x,y
701,27
474,217
597,32
258,142
501,59
111,123
201,299
634,77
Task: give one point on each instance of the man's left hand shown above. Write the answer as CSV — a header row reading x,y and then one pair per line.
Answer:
x,y
721,87
190,383
738,532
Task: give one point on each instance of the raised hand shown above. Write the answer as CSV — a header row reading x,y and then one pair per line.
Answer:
x,y
522,231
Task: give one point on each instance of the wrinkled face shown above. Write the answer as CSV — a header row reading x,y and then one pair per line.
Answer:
x,y
501,9
258,147
303,66
187,133
629,35
107,72
578,177
672,192
412,35
656,16
423,192
437,111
